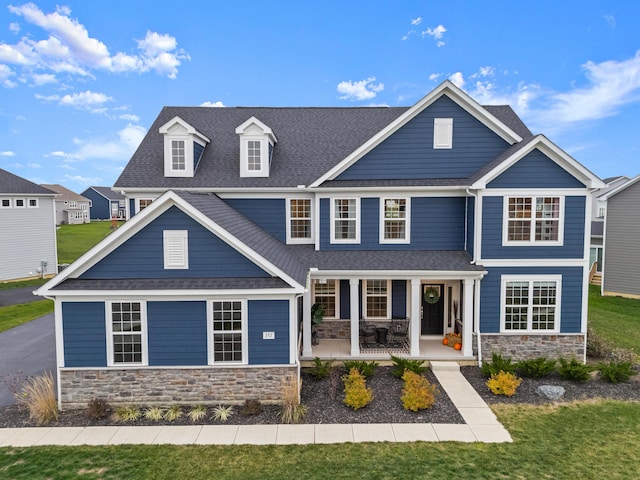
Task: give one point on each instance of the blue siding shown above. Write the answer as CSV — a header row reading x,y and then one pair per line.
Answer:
x,y
268,316
535,170
177,333
409,152
197,155
268,213
84,332
100,206
571,302
345,299
142,255
471,218
437,223
573,247
398,298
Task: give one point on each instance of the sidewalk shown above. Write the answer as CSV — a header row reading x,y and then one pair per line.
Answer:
x,y
481,426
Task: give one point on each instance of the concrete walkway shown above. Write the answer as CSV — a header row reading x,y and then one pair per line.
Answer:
x,y
481,426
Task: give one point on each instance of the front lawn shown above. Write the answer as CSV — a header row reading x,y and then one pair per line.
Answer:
x,y
74,240
15,315
617,319
591,440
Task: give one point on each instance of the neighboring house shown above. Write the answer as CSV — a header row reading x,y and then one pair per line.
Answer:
x,y
446,215
598,213
621,270
27,229
71,208
105,203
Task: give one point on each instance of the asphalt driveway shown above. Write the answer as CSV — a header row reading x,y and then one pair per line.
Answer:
x,y
14,296
28,348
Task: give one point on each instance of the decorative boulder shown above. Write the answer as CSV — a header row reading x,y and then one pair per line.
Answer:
x,y
552,392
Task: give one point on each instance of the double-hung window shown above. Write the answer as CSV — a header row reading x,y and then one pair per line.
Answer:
x,y
377,304
531,304
394,220
227,339
299,224
325,293
178,158
533,220
126,328
345,220
254,158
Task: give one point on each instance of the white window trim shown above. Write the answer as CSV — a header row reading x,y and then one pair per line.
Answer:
x,y
137,202
244,332
530,279
29,200
10,205
532,241
184,154
336,294
24,202
169,171
244,156
143,333
407,221
443,127
355,240
364,301
290,239
168,238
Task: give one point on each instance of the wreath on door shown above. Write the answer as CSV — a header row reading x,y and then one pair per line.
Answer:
x,y
431,295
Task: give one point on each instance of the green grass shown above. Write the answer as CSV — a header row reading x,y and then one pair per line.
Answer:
x,y
587,441
616,319
23,283
15,315
74,240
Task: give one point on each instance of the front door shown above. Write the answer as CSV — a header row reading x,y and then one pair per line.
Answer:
x,y
432,309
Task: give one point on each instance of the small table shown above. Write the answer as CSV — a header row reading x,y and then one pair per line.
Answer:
x,y
381,334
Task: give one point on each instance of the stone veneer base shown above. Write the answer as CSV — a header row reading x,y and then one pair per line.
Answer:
x,y
525,347
163,386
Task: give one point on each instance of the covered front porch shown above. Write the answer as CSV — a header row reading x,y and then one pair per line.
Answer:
x,y
356,308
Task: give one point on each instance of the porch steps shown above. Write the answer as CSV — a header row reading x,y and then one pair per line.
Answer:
x,y
596,279
437,366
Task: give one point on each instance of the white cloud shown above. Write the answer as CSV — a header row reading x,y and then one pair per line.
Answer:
x,y
416,21
7,153
5,73
70,48
117,149
34,165
436,33
434,76
40,79
457,79
87,100
130,117
67,157
360,90
83,181
611,21
212,104
14,27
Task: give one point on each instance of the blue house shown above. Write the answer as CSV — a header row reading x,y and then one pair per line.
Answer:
x,y
403,224
105,203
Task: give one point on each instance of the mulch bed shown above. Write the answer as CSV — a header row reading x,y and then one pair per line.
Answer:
x,y
324,402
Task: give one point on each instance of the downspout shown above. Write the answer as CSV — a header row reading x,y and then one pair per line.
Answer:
x,y
466,221
476,284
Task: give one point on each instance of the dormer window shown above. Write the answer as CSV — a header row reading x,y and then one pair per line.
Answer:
x,y
183,148
256,148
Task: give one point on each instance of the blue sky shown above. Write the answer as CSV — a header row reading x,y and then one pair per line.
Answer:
x,y
81,82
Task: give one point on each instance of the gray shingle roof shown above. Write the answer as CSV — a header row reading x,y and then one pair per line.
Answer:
x,y
170,284
310,142
15,185
64,193
247,232
108,193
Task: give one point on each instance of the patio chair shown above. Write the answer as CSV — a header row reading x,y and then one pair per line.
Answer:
x,y
367,333
399,330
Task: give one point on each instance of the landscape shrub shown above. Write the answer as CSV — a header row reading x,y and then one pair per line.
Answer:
x,y
417,393
321,368
367,369
536,368
504,383
597,346
98,408
334,382
197,413
401,364
356,393
497,365
126,413
292,410
222,413
251,407
154,413
173,413
574,370
615,372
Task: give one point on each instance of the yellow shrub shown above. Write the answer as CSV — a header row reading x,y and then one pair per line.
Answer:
x,y
356,393
417,393
504,383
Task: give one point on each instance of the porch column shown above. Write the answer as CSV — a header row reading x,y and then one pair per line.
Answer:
x,y
306,324
354,308
467,318
416,293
